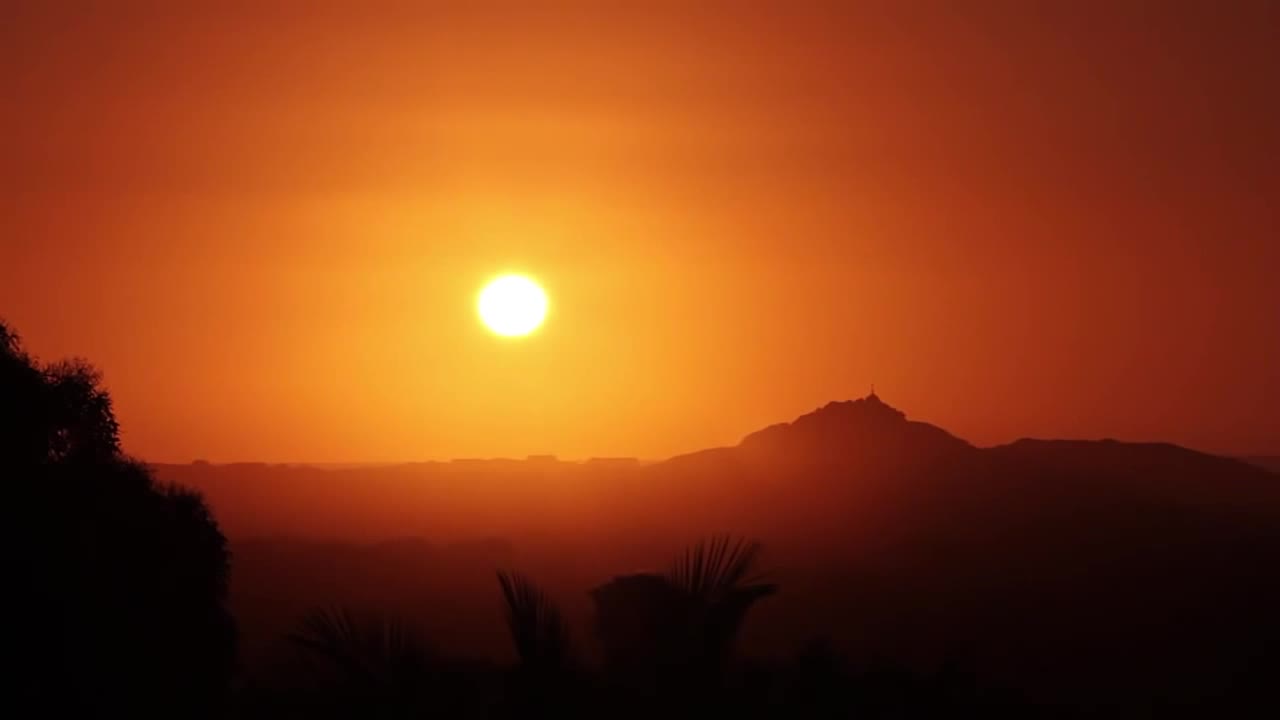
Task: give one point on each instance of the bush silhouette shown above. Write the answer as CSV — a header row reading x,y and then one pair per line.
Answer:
x,y
121,582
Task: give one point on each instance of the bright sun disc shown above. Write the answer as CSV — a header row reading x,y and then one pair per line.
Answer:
x,y
512,305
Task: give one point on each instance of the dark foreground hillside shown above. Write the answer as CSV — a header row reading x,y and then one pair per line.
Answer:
x,y
1266,462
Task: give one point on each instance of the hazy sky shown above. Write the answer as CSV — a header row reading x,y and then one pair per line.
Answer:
x,y
267,225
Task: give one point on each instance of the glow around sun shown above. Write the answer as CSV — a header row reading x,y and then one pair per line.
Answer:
x,y
512,305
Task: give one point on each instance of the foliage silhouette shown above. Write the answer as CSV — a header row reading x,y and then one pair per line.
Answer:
x,y
719,576
121,581
84,427
368,665
671,637
371,650
544,682
54,413
538,630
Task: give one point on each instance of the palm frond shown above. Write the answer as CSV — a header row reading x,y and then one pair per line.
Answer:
x,y
716,567
538,629
374,648
718,577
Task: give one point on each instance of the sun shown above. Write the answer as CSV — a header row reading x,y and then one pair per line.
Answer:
x,y
512,305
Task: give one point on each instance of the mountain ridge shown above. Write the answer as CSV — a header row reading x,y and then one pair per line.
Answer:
x,y
825,429
1052,564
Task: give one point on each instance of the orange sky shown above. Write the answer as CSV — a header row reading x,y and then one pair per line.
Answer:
x,y
268,226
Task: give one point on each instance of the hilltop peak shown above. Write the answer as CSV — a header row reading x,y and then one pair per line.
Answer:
x,y
863,427
870,406
836,415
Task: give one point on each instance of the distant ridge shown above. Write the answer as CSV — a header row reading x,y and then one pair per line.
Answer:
x,y
840,432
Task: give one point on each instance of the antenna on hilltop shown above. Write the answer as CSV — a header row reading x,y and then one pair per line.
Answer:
x,y
873,390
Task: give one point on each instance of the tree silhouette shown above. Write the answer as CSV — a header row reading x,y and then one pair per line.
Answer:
x,y
374,650
540,635
121,582
367,665
538,629
719,577
674,634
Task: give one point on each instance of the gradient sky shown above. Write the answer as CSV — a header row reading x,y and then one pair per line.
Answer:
x,y
267,224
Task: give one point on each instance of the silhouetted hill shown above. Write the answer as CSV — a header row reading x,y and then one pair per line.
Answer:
x,y
1155,472
1115,571
1266,462
854,432
848,469
1031,559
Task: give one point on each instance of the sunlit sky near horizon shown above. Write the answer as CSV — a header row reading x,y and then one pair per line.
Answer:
x,y
267,225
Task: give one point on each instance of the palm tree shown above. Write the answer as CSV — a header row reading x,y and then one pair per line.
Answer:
x,y
538,629
541,685
675,632
718,577
376,663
